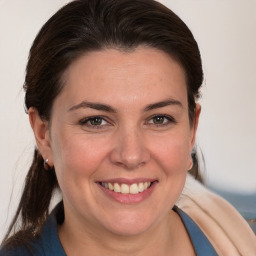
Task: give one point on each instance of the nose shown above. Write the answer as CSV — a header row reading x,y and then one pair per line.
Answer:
x,y
130,151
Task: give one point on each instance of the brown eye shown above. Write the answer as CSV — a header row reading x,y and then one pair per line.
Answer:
x,y
95,121
159,120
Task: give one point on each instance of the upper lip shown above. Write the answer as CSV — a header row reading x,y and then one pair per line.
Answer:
x,y
127,181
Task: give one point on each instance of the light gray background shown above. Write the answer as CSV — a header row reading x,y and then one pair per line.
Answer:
x,y
225,31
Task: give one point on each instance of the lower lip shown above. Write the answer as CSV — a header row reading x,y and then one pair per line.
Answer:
x,y
129,198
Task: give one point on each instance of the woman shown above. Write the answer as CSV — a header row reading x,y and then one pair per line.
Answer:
x,y
111,90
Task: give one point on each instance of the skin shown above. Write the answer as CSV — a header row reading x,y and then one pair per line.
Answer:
x,y
126,142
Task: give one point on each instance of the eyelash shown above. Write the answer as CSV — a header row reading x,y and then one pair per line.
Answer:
x,y
170,120
85,121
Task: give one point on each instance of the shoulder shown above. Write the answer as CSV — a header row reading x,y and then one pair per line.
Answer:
x,y
18,251
225,228
15,252
46,244
33,248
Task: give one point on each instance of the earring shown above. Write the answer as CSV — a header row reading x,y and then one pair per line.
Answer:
x,y
191,166
191,163
46,165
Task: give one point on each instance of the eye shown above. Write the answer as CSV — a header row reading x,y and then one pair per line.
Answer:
x,y
94,122
161,120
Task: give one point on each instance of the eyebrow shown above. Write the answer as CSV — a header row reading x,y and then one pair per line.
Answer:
x,y
97,106
107,108
161,104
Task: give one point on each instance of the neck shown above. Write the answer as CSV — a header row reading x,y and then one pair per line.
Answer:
x,y
161,239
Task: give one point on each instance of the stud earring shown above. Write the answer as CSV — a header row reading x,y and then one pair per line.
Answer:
x,y
46,165
191,163
191,166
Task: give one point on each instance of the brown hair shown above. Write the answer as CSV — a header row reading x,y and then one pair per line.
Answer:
x,y
83,26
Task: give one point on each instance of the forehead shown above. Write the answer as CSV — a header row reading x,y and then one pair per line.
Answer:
x,y
142,74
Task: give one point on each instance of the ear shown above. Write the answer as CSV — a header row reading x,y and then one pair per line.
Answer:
x,y
193,130
41,131
195,125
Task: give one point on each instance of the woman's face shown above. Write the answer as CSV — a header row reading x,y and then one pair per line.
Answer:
x,y
120,139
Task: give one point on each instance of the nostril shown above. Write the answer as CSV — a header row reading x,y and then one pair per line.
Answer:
x,y
130,152
131,164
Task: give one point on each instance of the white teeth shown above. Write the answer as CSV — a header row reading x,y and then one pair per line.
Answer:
x,y
110,186
141,187
127,189
134,189
117,187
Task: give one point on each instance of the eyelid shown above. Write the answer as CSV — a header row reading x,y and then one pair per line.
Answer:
x,y
84,121
171,120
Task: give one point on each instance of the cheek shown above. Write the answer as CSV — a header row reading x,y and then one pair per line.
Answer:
x,y
77,162
76,158
173,154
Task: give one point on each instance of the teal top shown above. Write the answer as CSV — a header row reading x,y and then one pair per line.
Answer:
x,y
201,244
48,244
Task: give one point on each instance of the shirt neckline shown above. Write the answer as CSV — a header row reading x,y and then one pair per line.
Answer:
x,y
200,242
52,245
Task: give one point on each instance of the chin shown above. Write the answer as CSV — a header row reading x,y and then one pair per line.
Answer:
x,y
129,224
128,229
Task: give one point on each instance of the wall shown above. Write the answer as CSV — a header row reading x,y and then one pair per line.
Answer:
x,y
225,31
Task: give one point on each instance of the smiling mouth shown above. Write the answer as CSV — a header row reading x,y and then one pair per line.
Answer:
x,y
123,188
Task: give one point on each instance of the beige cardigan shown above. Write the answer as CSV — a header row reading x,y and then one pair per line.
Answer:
x,y
225,228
